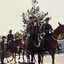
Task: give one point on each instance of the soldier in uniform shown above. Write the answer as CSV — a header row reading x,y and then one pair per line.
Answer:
x,y
47,31
10,38
32,27
32,30
46,27
2,49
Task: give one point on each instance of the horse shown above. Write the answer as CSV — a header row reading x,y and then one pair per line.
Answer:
x,y
35,45
19,45
52,44
24,47
14,47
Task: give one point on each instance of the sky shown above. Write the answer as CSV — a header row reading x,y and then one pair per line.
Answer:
x,y
11,11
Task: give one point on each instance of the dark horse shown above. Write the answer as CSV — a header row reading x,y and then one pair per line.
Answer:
x,y
35,45
13,48
19,46
52,44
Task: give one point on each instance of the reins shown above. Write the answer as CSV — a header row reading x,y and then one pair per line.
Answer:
x,y
54,38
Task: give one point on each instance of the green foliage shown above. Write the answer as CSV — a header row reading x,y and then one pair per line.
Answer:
x,y
35,10
18,35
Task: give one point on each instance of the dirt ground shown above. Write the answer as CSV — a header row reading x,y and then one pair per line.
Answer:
x,y
59,59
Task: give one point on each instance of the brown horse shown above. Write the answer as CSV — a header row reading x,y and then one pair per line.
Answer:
x,y
16,44
25,47
19,45
32,48
52,44
13,49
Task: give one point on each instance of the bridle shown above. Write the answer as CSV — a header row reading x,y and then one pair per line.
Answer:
x,y
36,45
39,38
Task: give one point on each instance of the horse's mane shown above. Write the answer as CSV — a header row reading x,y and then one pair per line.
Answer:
x,y
56,29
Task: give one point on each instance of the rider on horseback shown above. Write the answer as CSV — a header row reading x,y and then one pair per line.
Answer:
x,y
47,31
32,26
46,27
10,38
32,30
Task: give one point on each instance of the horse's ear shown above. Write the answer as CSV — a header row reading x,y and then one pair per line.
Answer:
x,y
59,23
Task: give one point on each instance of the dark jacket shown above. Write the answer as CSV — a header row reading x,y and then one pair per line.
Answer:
x,y
45,28
2,45
10,37
31,29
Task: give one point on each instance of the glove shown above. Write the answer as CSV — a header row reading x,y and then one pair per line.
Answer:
x,y
28,35
43,33
49,32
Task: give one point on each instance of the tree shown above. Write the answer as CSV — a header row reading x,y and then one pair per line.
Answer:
x,y
35,10
18,35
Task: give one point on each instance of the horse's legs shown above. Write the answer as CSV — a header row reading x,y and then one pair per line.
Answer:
x,y
53,56
34,59
42,58
12,57
15,57
6,57
19,52
23,56
28,58
32,56
39,58
7,60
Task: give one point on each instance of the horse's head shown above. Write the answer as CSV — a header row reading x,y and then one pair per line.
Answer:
x,y
61,28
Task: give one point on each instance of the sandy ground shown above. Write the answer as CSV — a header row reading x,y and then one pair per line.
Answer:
x,y
59,59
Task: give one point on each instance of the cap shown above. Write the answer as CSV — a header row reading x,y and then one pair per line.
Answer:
x,y
48,18
10,31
